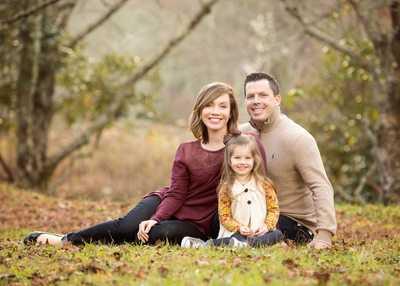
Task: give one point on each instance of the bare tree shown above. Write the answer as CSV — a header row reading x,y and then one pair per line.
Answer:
x,y
40,27
378,23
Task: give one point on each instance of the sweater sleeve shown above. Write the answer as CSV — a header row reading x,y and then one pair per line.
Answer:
x,y
272,206
309,164
176,194
225,213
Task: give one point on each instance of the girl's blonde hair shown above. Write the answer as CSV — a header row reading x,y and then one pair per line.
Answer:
x,y
258,171
206,95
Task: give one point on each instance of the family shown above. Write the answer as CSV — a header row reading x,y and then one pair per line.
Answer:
x,y
245,186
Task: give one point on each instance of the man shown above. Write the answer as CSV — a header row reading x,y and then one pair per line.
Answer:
x,y
305,195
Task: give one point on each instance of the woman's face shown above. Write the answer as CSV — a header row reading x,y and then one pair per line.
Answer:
x,y
215,115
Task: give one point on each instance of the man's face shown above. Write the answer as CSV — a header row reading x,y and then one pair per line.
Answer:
x,y
260,100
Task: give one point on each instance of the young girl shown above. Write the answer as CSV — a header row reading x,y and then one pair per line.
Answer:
x,y
247,203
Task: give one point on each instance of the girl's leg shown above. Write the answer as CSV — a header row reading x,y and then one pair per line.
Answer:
x,y
239,237
270,238
174,231
119,230
218,241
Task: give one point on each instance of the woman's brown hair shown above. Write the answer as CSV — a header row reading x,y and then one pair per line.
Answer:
x,y
206,95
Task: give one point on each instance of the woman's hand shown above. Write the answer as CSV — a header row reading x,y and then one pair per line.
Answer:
x,y
261,231
246,231
144,229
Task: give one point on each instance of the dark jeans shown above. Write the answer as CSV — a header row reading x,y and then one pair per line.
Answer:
x,y
270,238
293,230
125,229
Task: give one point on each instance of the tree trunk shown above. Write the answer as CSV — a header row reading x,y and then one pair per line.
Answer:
x,y
24,101
388,151
43,106
388,133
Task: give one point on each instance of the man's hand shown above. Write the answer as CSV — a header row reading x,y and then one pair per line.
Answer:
x,y
261,231
246,231
144,229
318,244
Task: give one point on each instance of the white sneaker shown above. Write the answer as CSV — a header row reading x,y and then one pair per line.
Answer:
x,y
235,243
192,242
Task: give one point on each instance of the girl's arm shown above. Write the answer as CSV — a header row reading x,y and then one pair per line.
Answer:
x,y
225,213
272,206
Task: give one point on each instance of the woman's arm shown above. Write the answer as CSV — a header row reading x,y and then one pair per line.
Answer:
x,y
176,194
174,198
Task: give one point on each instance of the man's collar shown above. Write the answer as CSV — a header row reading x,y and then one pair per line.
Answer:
x,y
266,125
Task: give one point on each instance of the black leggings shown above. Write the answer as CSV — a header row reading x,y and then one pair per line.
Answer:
x,y
125,229
293,230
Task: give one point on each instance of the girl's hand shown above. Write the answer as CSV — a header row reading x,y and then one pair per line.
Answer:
x,y
246,231
261,230
144,228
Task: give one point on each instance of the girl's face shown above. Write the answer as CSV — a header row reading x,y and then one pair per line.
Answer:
x,y
242,161
215,115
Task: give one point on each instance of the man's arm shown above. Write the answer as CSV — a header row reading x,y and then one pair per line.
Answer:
x,y
309,164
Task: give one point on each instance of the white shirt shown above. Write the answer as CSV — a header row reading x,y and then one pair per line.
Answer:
x,y
248,206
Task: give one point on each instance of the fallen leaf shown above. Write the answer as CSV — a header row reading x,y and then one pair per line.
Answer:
x,y
163,270
6,276
117,255
202,262
289,263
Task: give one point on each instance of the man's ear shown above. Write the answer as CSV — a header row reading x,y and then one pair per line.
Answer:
x,y
278,99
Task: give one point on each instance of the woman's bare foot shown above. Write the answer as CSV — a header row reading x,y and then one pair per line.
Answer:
x,y
49,238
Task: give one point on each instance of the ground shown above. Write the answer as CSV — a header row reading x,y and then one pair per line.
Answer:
x,y
365,251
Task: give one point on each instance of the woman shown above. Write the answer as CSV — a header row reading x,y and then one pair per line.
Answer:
x,y
187,207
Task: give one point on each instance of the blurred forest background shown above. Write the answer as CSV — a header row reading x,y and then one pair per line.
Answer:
x,y
95,94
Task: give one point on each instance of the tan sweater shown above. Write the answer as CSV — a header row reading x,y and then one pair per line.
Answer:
x,y
295,166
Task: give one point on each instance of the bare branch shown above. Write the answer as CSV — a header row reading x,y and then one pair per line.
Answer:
x,y
361,185
341,193
333,43
96,24
64,16
28,12
118,101
364,22
174,42
6,169
68,169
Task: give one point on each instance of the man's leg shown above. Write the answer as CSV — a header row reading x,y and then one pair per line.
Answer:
x,y
293,230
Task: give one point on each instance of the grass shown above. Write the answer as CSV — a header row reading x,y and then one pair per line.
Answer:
x,y
366,251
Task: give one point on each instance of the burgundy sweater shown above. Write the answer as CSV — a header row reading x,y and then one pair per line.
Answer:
x,y
192,195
